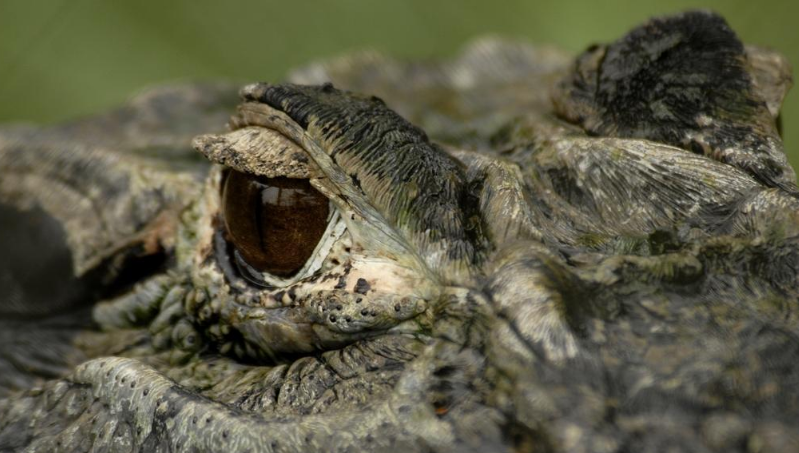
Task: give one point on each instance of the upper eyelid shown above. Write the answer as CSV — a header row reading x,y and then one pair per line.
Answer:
x,y
258,151
404,180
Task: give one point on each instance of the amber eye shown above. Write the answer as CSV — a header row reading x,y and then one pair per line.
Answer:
x,y
273,223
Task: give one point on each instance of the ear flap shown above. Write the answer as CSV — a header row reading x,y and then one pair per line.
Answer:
x,y
72,218
85,205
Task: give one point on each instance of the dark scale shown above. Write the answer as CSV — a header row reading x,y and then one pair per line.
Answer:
x,y
274,223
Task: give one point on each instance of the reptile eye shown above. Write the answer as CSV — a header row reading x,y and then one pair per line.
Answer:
x,y
274,224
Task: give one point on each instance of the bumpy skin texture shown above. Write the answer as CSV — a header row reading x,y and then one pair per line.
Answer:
x,y
589,255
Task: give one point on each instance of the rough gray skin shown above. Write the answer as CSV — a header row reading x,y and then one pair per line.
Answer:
x,y
590,255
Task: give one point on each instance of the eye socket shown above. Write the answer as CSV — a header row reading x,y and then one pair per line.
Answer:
x,y
274,224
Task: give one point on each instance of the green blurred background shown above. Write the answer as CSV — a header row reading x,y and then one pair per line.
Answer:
x,y
65,58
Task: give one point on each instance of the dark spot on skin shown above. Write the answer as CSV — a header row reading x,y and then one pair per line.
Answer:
x,y
441,408
332,318
358,300
225,433
362,286
470,298
339,307
279,295
696,147
342,282
364,312
146,392
348,318
292,293
397,307
355,181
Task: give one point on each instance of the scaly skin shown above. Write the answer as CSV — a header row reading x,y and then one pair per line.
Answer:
x,y
529,253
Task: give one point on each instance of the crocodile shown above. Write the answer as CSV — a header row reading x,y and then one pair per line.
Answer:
x,y
514,249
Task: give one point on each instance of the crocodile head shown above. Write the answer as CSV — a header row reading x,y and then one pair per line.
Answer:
x,y
588,255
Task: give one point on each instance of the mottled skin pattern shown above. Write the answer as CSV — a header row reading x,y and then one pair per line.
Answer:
x,y
530,252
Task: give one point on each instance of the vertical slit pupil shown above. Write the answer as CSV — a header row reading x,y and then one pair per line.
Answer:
x,y
274,223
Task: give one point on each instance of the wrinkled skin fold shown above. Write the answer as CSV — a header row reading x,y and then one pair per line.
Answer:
x,y
527,252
